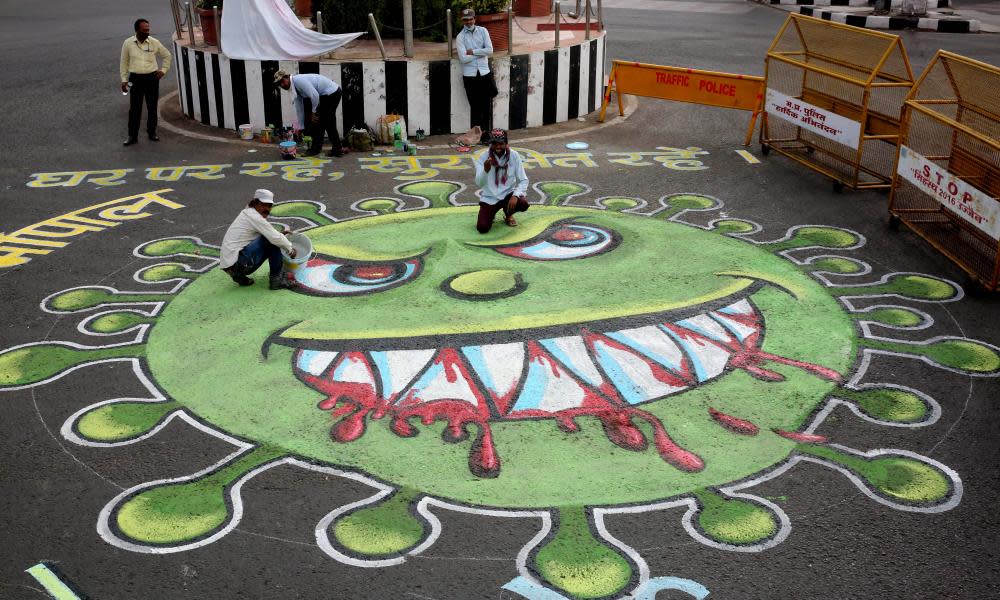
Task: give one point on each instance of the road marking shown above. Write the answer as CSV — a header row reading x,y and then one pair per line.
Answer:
x,y
51,582
750,158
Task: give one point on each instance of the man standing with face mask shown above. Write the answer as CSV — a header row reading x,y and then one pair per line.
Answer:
x,y
140,71
474,48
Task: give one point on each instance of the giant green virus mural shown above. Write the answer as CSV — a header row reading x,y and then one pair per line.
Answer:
x,y
607,356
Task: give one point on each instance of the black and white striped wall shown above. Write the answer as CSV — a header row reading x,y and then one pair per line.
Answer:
x,y
539,88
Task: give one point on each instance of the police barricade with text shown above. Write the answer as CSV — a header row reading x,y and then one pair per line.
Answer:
x,y
727,90
833,99
947,177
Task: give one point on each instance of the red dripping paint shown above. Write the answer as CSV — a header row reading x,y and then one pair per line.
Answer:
x,y
734,424
350,428
483,458
621,431
802,438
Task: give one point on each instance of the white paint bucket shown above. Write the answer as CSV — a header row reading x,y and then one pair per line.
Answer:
x,y
303,251
246,132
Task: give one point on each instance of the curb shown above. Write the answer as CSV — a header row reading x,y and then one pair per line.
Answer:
x,y
187,130
931,4
869,22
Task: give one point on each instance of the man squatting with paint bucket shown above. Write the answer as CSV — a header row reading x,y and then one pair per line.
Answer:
x,y
503,182
251,240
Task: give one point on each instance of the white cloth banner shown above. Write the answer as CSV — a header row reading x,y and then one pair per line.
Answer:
x,y
823,122
269,30
976,207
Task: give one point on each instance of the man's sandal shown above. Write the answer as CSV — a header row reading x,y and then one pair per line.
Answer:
x,y
510,221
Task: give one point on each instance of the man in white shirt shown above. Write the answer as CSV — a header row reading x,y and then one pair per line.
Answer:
x,y
324,95
474,48
251,240
503,183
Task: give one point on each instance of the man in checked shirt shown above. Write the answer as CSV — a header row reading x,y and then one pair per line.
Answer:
x,y
140,71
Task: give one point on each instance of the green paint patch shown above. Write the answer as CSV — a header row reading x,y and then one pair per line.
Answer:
x,y
485,283
388,528
575,562
183,512
84,298
123,420
117,322
32,364
961,354
733,226
841,266
822,237
557,192
888,404
734,521
619,204
435,192
896,317
174,246
919,287
379,205
166,273
900,478
304,210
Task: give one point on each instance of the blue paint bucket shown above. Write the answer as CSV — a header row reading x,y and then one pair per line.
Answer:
x,y
288,149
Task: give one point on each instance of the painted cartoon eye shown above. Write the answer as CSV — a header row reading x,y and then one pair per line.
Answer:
x,y
565,241
323,277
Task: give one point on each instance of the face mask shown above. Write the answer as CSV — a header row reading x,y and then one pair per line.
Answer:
x,y
470,28
141,36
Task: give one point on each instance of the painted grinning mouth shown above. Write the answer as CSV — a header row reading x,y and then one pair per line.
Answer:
x,y
606,375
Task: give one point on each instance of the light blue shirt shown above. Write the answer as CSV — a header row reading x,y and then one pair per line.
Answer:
x,y
312,86
479,42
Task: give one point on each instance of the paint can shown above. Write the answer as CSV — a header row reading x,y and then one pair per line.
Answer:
x,y
246,132
303,251
288,150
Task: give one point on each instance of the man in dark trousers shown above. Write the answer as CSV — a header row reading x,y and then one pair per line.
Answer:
x,y
324,96
140,77
474,49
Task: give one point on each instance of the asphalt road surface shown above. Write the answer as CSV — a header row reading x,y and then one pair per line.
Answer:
x,y
744,385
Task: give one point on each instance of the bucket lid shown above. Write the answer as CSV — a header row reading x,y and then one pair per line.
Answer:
x,y
287,144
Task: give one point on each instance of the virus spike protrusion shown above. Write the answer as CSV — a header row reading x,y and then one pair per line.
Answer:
x,y
961,354
681,202
734,424
734,521
176,246
117,322
175,513
822,237
166,272
802,438
916,287
896,316
558,192
91,297
618,204
382,206
389,528
437,193
834,264
889,404
906,480
27,365
120,421
576,563
733,227
309,211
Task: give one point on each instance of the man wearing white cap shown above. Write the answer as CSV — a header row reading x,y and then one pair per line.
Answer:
x,y
251,240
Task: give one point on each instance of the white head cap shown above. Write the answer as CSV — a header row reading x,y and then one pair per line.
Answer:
x,y
265,196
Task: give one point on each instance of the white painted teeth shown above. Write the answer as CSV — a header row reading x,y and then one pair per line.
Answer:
x,y
553,374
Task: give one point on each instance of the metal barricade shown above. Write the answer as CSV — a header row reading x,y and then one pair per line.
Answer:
x,y
833,99
947,177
